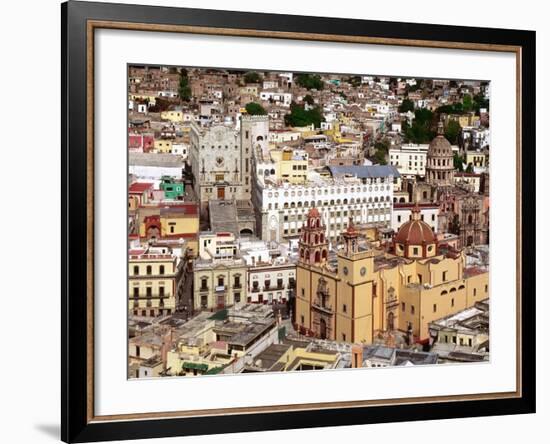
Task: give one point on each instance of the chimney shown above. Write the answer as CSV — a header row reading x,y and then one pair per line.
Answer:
x,y
356,356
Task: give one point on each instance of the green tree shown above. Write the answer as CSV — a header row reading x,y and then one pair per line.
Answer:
x,y
480,102
380,157
255,109
184,90
310,81
406,105
355,81
252,77
452,131
458,162
420,131
470,168
382,145
300,117
467,103
308,98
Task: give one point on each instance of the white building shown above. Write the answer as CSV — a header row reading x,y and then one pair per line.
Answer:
x,y
362,192
409,159
284,136
271,276
276,97
402,212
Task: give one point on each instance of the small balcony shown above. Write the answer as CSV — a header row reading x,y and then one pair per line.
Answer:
x,y
326,308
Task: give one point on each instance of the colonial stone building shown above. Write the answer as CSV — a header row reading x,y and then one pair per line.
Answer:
x,y
463,208
220,163
360,291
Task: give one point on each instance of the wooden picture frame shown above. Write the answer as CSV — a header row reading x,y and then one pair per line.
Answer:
x,y
79,22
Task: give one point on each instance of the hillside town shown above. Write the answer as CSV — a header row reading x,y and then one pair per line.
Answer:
x,y
284,221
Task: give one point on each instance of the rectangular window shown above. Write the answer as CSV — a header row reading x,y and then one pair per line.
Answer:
x,y
345,308
302,320
402,306
444,277
343,337
136,270
435,308
412,309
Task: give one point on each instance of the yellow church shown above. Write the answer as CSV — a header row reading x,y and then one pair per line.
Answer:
x,y
366,291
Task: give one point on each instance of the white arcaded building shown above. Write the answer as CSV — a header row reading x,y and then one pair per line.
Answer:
x,y
362,192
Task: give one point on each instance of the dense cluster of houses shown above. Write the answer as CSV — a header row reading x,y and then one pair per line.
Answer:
x,y
283,221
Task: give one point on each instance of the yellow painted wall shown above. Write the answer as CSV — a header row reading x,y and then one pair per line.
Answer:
x,y
172,116
163,146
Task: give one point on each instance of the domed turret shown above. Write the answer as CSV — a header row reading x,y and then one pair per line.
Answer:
x,y
439,161
415,239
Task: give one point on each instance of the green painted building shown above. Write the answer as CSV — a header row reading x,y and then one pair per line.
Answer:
x,y
172,189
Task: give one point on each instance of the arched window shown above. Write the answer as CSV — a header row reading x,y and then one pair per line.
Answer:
x,y
452,290
444,292
149,269
161,269
470,219
461,287
324,254
317,256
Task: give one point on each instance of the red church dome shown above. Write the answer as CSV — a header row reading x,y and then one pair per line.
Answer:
x,y
415,238
415,232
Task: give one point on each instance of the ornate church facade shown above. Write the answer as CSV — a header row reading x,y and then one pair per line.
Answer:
x,y
462,211
362,291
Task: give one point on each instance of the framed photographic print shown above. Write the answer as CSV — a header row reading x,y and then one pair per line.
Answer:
x,y
276,221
